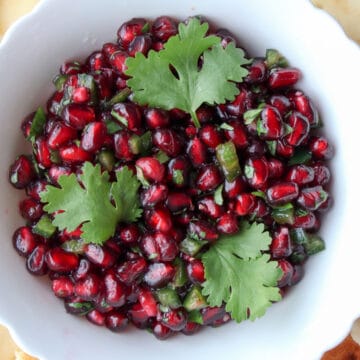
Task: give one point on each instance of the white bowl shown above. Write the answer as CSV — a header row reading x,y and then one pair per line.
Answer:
x,y
319,311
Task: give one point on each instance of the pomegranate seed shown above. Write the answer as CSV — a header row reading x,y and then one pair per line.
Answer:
x,y
205,114
117,61
88,287
109,48
212,314
116,321
164,27
244,204
129,30
77,306
115,291
312,198
234,188
63,287
300,129
305,221
35,263
275,167
158,219
42,152
257,72
78,116
227,224
178,171
131,270
161,331
178,201
184,218
74,154
237,135
60,135
320,148
283,77
156,118
26,125
300,174
209,178
204,230
281,244
270,125
196,151
129,234
210,136
128,114
97,61
100,256
287,270
168,141
284,149
53,105
159,274
141,44
84,268
96,317
105,83
30,209
174,319
152,169
159,247
226,37
35,188
195,271
256,172
260,209
209,207
60,260
80,95
93,136
243,101
71,68
153,195
304,106
24,241
321,174
281,103
56,171
148,302
191,328
282,193
122,146
256,149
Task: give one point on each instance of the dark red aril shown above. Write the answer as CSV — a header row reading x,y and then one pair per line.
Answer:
x,y
63,287
244,204
178,171
300,174
115,291
209,178
42,152
257,72
158,219
304,106
156,118
88,287
256,148
60,260
204,230
242,102
56,171
212,314
283,77
305,220
276,168
163,27
197,152
35,263
100,256
71,68
130,271
81,95
128,114
84,268
322,174
148,302
116,321
228,223
153,195
169,141
78,115
140,44
191,328
159,274
151,168
129,234
209,207
122,146
161,331
233,188
109,48
195,271
97,61
174,319
256,172
60,135
312,198
24,241
282,193
117,61
300,129
284,149
226,37
129,29
210,136
321,148
158,247
30,209
178,201
270,125
281,103
93,136
287,270
281,243
237,135
74,154
96,317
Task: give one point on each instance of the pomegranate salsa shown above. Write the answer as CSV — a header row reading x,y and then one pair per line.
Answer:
x,y
174,182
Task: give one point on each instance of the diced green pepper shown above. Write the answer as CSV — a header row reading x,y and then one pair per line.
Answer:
x,y
228,159
194,299
44,227
168,297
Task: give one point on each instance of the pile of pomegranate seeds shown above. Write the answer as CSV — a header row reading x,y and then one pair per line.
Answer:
x,y
149,273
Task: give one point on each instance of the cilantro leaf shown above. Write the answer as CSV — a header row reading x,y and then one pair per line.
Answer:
x,y
239,274
171,78
96,203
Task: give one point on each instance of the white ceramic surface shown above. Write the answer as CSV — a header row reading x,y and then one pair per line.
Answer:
x,y
319,311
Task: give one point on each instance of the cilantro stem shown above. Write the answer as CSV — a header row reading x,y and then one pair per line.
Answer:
x,y
195,119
